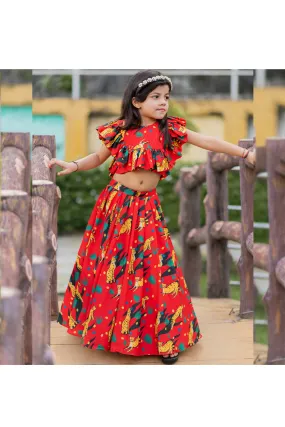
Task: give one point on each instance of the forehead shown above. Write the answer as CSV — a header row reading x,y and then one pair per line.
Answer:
x,y
161,89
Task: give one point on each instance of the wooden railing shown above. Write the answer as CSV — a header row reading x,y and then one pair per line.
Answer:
x,y
28,238
218,230
271,257
16,250
46,199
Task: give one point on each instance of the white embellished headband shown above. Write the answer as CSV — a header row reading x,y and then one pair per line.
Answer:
x,y
154,79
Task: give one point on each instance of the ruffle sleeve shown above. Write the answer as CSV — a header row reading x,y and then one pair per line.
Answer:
x,y
111,134
178,133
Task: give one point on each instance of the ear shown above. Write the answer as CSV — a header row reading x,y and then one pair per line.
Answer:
x,y
136,103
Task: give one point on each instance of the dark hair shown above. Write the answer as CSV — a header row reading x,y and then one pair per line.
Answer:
x,y
130,114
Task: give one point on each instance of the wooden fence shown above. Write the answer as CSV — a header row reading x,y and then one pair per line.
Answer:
x,y
16,250
28,249
271,257
218,230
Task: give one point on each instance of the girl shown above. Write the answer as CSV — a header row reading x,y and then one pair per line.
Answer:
x,y
127,292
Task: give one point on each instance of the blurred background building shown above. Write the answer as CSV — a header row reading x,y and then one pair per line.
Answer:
x,y
269,104
71,103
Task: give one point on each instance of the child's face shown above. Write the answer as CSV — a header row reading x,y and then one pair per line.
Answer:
x,y
156,104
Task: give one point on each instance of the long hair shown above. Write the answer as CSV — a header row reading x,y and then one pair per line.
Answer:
x,y
130,114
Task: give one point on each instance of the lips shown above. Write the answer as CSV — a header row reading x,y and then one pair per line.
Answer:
x,y
161,109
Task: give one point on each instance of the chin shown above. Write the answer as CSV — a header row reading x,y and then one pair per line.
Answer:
x,y
161,116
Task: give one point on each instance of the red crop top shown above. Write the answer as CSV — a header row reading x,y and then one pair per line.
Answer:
x,y
143,147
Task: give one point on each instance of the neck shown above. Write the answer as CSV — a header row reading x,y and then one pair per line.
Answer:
x,y
145,121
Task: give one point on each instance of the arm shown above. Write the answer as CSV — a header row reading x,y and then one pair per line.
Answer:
x,y
214,144
91,161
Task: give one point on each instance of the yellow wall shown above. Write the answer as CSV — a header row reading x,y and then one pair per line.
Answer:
x,y
266,103
16,95
207,125
81,138
234,113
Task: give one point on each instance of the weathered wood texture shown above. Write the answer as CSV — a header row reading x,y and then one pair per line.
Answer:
x,y
216,205
20,210
46,199
275,295
42,354
10,326
259,251
245,263
189,218
16,253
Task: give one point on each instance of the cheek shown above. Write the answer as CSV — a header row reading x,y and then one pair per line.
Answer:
x,y
149,104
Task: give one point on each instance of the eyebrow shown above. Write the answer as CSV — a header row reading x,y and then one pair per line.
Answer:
x,y
158,93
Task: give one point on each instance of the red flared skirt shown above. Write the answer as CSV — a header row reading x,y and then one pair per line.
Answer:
x,y
126,292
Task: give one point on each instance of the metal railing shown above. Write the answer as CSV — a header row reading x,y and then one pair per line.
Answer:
x,y
234,75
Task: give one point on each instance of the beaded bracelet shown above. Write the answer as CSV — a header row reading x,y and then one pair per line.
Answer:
x,y
73,161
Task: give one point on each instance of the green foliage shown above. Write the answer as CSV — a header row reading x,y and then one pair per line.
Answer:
x,y
54,84
80,191
177,110
261,334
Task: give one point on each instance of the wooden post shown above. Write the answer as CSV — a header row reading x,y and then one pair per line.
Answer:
x,y
275,295
280,271
216,204
189,218
17,257
245,263
44,148
43,238
42,353
16,169
14,210
10,326
15,265
53,263
27,290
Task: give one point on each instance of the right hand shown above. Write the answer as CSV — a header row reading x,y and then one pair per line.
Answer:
x,y
251,158
68,167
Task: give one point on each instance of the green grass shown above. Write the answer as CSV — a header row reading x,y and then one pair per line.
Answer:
x,y
260,332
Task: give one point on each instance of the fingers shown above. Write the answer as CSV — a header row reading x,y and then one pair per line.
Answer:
x,y
64,172
60,163
54,161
